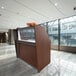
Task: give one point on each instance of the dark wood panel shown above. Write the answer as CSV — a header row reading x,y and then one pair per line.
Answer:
x,y
43,47
28,54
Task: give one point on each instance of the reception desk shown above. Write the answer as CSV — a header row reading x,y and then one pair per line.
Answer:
x,y
33,46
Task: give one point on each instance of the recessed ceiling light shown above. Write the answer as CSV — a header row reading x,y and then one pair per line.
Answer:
x,y
2,7
55,4
74,8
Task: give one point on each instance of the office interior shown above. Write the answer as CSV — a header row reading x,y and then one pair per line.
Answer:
x,y
57,17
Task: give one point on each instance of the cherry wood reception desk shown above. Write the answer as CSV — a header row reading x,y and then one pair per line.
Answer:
x,y
33,46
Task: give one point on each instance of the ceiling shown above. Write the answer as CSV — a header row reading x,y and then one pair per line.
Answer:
x,y
16,13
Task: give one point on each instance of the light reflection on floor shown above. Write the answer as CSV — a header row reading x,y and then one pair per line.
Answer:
x,y
62,64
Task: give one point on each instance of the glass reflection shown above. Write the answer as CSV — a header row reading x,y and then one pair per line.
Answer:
x,y
53,32
68,31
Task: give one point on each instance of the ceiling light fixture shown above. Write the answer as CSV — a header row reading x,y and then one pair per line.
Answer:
x,y
56,4
2,7
74,8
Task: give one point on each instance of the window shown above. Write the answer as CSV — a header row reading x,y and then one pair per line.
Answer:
x,y
53,32
68,31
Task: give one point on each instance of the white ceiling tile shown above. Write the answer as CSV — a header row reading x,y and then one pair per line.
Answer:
x,y
17,13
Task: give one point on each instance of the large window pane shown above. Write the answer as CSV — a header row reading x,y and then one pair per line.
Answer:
x,y
53,32
68,31
44,25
